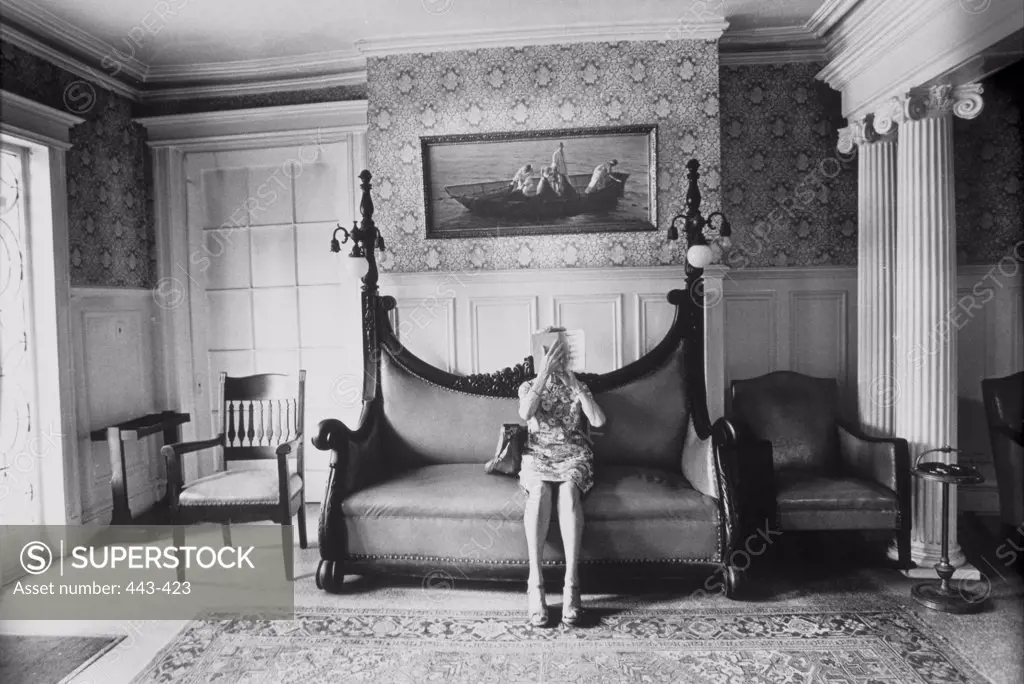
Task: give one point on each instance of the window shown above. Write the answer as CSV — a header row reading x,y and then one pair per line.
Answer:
x,y
17,377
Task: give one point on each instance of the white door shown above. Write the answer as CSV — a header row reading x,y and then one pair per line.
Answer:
x,y
266,293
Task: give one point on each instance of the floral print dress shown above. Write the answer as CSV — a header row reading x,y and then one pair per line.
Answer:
x,y
557,450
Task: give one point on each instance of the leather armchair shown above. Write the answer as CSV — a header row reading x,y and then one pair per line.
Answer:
x,y
825,473
1004,409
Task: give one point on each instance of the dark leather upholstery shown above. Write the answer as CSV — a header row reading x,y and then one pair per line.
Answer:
x,y
807,501
427,424
1004,407
826,474
794,412
646,420
457,511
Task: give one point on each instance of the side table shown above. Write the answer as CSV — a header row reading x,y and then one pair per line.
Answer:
x,y
940,595
115,436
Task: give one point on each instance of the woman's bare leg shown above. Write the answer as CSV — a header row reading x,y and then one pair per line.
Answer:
x,y
570,521
536,520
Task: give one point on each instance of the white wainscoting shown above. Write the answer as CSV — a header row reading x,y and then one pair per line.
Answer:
x,y
801,319
481,321
116,366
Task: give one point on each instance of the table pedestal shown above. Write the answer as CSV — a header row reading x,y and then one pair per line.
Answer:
x,y
945,595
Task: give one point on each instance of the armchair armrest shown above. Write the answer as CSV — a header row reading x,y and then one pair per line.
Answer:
x,y
747,476
172,454
879,459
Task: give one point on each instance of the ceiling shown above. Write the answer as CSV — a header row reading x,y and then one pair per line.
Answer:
x,y
177,41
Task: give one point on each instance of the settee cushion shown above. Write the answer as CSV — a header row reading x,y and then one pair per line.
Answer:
x,y
807,501
461,513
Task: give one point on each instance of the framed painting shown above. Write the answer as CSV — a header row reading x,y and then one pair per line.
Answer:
x,y
581,180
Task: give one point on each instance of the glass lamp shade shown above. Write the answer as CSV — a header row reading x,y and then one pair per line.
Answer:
x,y
699,256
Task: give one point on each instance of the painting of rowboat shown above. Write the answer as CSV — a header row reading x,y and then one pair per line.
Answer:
x,y
541,182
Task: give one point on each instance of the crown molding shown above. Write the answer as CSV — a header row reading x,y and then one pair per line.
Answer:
x,y
586,33
869,32
305,123
765,57
224,90
336,63
61,59
826,17
34,121
884,49
780,45
73,40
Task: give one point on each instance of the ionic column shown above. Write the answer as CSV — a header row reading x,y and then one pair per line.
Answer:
x,y
876,266
925,412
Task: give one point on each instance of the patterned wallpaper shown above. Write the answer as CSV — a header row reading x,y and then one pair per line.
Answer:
x,y
110,216
791,198
673,85
989,168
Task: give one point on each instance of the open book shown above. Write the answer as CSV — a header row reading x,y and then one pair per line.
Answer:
x,y
575,347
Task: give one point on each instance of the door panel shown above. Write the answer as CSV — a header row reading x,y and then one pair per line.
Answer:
x,y
267,293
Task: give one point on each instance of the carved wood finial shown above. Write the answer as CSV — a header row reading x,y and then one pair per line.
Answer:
x,y
693,190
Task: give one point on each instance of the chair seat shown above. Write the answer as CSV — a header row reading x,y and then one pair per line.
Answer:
x,y
810,501
812,491
240,486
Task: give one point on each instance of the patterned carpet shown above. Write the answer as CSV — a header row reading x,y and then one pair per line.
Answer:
x,y
769,646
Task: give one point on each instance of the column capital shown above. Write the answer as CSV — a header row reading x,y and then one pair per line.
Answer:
x,y
856,134
963,101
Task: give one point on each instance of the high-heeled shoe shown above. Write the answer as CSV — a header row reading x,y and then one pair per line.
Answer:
x,y
571,608
537,606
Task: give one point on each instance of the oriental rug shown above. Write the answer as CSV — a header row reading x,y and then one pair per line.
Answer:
x,y
769,646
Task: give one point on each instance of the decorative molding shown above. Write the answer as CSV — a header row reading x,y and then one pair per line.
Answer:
x,y
36,122
785,44
349,78
110,293
868,32
389,280
323,64
280,125
560,35
844,370
73,40
793,55
477,303
63,60
826,17
560,301
882,49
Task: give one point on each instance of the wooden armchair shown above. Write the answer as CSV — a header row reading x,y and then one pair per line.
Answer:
x,y
261,419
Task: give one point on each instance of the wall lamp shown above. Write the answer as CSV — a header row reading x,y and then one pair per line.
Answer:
x,y
696,228
366,237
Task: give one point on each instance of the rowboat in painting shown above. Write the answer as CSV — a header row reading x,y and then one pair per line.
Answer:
x,y
495,199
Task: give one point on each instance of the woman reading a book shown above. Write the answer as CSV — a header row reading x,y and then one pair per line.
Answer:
x,y
557,456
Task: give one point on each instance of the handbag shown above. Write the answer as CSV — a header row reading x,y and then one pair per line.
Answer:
x,y
508,458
